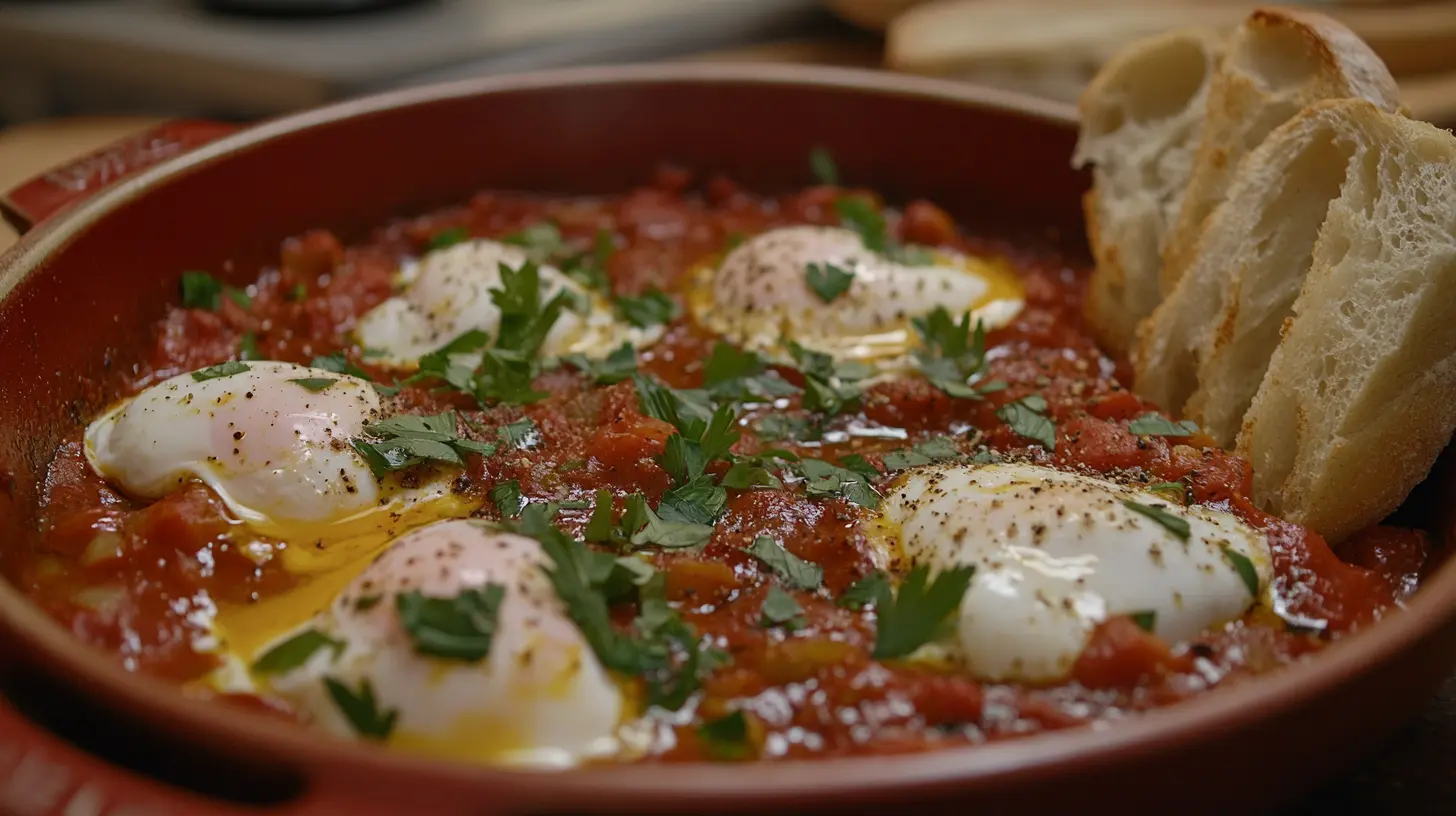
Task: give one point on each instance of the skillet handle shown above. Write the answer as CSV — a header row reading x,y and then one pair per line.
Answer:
x,y
38,198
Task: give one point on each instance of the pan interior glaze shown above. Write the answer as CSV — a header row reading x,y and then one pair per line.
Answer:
x,y
97,278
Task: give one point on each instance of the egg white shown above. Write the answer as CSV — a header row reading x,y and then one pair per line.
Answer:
x,y
1056,553
276,453
448,293
758,297
539,697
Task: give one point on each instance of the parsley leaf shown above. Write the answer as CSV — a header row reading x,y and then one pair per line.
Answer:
x,y
294,652
248,347
778,427
447,238
227,369
404,441
827,280
522,433
524,321
314,384
617,366
697,501
458,628
1154,424
656,531
822,165
651,308
861,215
688,411
1176,491
361,709
506,496
1027,418
735,374
919,610
826,480
935,449
505,377
830,388
795,571
1147,619
240,297
200,291
1177,525
780,609
873,589
590,268
541,240
954,355
726,737
1243,566
339,364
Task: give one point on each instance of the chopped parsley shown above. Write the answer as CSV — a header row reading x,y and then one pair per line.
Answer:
x,y
590,268
240,297
831,481
653,307
829,387
659,532
314,384
200,291
458,628
726,738
1244,567
220,370
1154,424
697,501
872,590
248,347
1177,491
780,609
1177,525
861,215
795,571
935,449
617,366
294,652
953,356
749,472
339,364
541,241
447,238
361,709
919,610
822,165
827,280
298,292
778,427
404,441
506,496
734,374
1027,417
1147,619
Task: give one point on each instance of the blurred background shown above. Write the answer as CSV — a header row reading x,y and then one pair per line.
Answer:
x,y
242,59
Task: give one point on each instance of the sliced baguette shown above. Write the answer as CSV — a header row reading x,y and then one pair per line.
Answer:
x,y
1360,394
1277,62
1141,118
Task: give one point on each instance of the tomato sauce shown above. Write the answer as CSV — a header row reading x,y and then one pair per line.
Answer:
x,y
136,579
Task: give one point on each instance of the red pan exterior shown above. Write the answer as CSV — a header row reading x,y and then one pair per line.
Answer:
x,y
84,287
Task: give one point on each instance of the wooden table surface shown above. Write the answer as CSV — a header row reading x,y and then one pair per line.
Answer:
x,y
1414,773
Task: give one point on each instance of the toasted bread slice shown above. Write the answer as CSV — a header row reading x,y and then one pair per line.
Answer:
x,y
1277,62
1141,118
1360,394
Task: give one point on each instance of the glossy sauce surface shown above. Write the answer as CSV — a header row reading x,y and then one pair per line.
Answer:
x,y
141,580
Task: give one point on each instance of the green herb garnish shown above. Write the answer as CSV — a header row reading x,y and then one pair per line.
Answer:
x,y
1243,566
617,366
458,628
1147,620
541,241
506,496
822,165
653,307
795,571
361,709
825,480
1153,424
734,374
780,609
920,610
227,369
294,652
726,738
873,589
1027,417
935,449
314,384
404,441
248,347
827,280
1177,525
447,238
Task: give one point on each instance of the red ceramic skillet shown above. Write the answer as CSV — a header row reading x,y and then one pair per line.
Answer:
x,y
83,287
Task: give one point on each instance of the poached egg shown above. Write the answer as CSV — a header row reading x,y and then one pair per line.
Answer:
x,y
760,296
1056,553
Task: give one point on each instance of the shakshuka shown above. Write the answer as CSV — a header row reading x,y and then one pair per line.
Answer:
x,y
689,473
